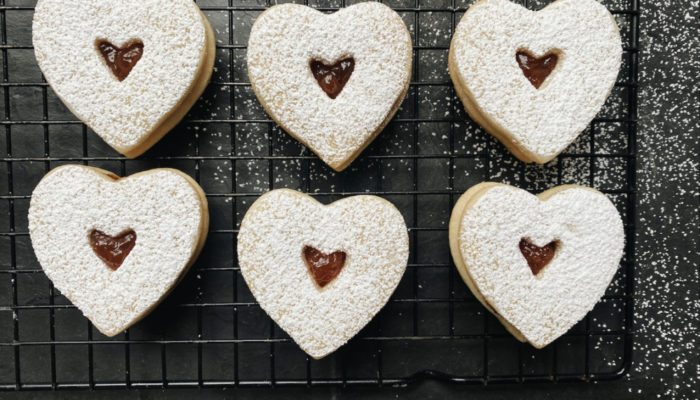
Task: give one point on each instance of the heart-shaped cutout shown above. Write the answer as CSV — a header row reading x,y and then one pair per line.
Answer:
x,y
488,228
361,244
332,81
129,69
115,247
332,78
112,250
567,58
537,257
536,69
121,60
323,267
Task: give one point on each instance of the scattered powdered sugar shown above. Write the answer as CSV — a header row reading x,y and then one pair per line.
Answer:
x,y
122,113
370,230
543,307
666,307
287,37
546,120
162,208
666,355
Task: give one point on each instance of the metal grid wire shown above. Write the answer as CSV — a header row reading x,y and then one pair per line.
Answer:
x,y
210,331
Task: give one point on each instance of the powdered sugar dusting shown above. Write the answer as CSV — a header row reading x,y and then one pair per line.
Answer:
x,y
370,230
161,207
287,37
543,307
122,113
542,121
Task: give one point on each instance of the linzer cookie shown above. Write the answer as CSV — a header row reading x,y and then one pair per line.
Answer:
x,y
322,271
115,247
332,81
538,263
534,80
129,69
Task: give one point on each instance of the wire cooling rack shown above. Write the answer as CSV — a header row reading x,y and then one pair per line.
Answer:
x,y
210,331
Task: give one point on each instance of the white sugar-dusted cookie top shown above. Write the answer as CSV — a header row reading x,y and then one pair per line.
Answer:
x,y
274,232
287,37
544,121
123,113
590,239
162,207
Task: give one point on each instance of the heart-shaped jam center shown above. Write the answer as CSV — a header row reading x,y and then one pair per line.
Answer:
x,y
536,69
323,267
332,78
121,59
112,250
537,257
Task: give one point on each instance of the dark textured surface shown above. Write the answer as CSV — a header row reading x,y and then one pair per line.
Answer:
x,y
665,361
210,329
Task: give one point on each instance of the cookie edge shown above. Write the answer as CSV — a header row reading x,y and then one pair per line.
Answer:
x,y
318,356
464,203
340,166
202,233
169,120
492,127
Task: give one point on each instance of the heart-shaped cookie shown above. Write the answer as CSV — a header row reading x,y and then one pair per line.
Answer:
x,y
115,247
539,263
331,81
534,80
322,271
129,69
